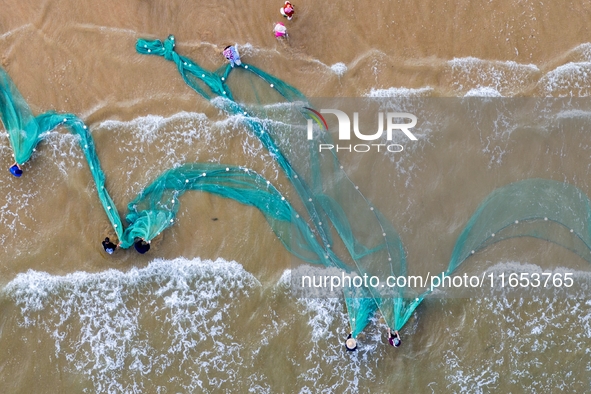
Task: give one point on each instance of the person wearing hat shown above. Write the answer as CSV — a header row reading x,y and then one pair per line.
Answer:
x,y
287,10
394,338
16,170
280,30
351,343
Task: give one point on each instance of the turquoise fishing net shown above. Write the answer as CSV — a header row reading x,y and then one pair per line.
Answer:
x,y
23,128
26,131
334,207
528,208
155,208
331,211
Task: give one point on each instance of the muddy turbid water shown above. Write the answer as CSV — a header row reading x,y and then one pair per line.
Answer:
x,y
209,308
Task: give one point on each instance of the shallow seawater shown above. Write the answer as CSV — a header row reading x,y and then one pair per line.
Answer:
x,y
210,307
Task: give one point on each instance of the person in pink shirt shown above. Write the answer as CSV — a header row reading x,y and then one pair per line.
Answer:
x,y
280,30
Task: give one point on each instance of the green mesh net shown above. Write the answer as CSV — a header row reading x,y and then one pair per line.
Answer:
x,y
155,208
333,210
373,245
331,201
23,129
528,208
26,131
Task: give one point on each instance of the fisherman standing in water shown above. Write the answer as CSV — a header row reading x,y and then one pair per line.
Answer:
x,y
16,170
280,30
394,338
141,246
287,10
232,55
109,246
351,343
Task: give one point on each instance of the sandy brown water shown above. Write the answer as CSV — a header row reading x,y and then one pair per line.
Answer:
x,y
182,323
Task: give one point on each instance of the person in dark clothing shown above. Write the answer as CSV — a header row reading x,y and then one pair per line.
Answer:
x,y
394,338
109,246
351,343
141,245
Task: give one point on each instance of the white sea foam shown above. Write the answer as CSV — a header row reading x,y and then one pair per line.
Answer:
x,y
248,49
146,127
182,138
65,152
10,33
518,346
20,199
400,92
329,323
568,80
483,92
97,321
285,279
506,77
339,68
583,52
573,114
522,333
173,321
